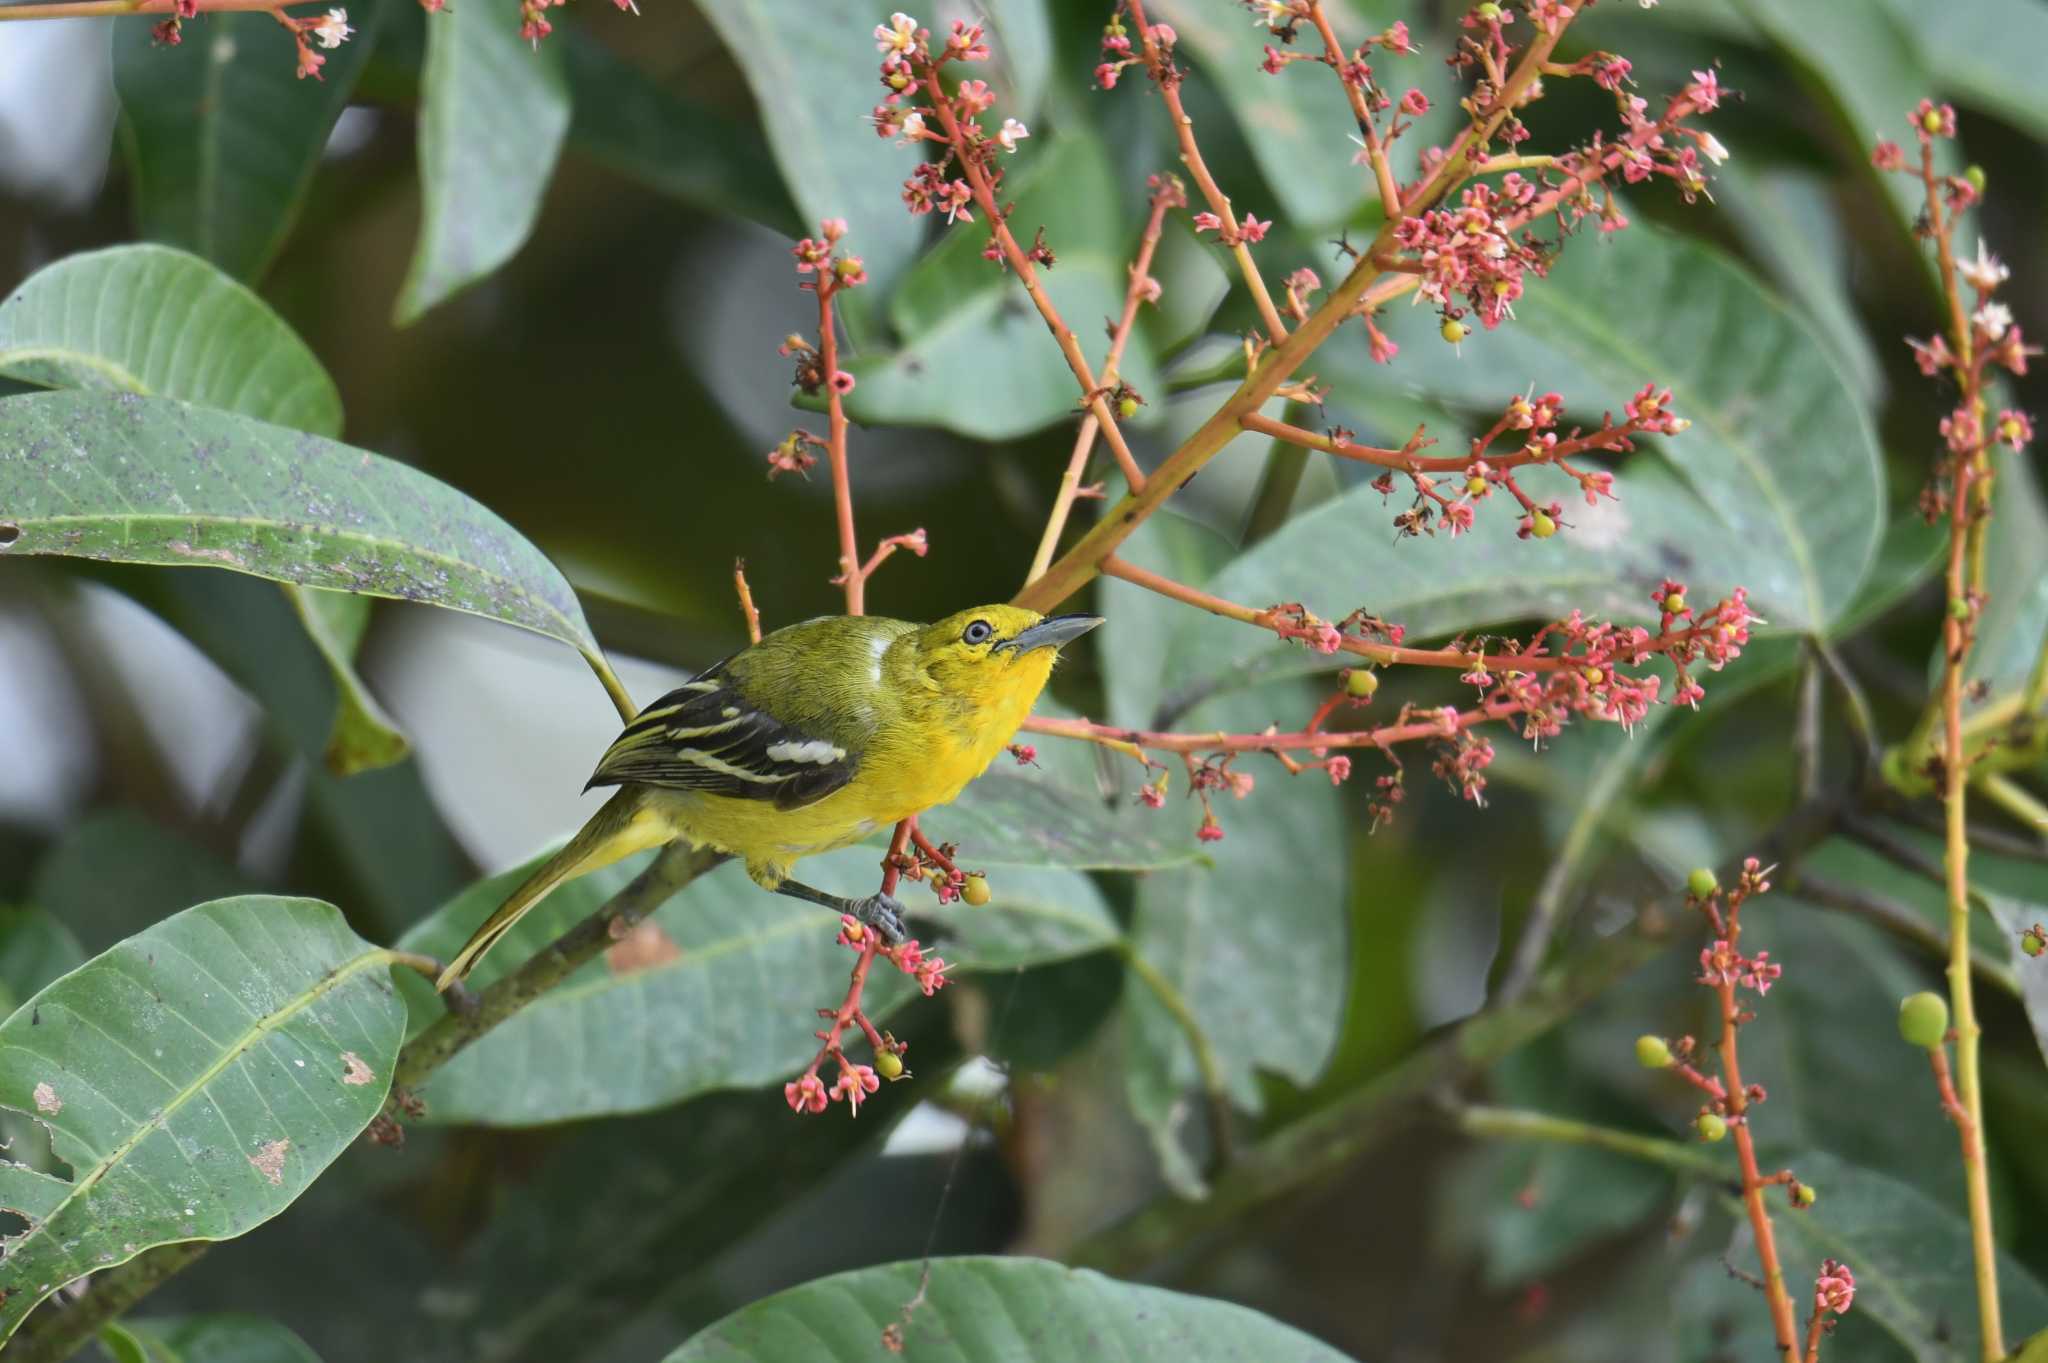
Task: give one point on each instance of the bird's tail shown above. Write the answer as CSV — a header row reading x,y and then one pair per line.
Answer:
x,y
624,826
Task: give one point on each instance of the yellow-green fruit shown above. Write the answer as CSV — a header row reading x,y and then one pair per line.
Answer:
x,y
1361,682
1975,175
1711,1126
1542,526
1803,1195
2033,943
889,1065
976,891
1958,608
1674,604
1126,408
1474,485
1454,331
1923,1019
1652,1053
1488,12
1701,883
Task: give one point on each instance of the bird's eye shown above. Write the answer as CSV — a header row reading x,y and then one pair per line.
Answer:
x,y
978,632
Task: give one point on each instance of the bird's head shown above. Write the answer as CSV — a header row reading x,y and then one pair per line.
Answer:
x,y
995,652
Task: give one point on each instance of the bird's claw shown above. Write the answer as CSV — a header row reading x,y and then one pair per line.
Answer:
x,y
884,915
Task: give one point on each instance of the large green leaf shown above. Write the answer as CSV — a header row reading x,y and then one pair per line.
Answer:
x,y
196,1078
221,1338
156,321
1050,818
968,326
719,992
815,89
698,153
222,136
990,1310
1777,486
149,480
35,948
2013,629
1982,52
493,112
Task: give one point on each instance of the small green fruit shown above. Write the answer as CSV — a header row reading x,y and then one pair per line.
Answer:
x,y
1701,883
1803,1195
1958,608
1674,604
1126,408
2033,941
1361,682
976,891
1542,526
1931,120
1711,1126
1488,12
1923,1019
889,1065
1453,330
1975,175
1474,485
1652,1053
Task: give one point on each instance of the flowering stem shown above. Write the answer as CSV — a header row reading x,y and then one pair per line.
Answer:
x,y
1075,568
1967,513
835,449
1375,149
1783,1319
746,594
1160,65
1084,440
92,9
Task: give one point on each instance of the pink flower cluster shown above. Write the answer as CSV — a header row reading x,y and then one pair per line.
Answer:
x,y
1722,964
1834,1291
1474,251
914,101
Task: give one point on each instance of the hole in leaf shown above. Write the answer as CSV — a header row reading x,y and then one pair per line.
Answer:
x,y
9,533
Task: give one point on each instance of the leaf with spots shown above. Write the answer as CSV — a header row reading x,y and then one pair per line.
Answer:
x,y
148,480
991,1310
158,322
719,999
195,1079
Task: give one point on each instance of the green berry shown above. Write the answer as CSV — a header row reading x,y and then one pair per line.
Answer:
x,y
889,1065
1474,485
1361,682
1975,175
1652,1053
1674,604
1453,330
1701,883
1803,1195
975,891
1923,1019
1711,1126
1931,120
1126,407
2034,941
1541,525
1958,608
1488,13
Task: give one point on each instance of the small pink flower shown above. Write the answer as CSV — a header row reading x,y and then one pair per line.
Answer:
x,y
973,97
856,1082
1458,517
1210,831
1241,783
1888,155
2015,428
1163,35
1761,973
1152,795
899,35
1013,132
1834,1291
1934,120
1395,39
1208,222
1705,90
1415,104
1025,753
1383,349
1275,60
167,33
966,42
850,271
805,1095
842,382
1106,74
1252,229
931,975
1339,769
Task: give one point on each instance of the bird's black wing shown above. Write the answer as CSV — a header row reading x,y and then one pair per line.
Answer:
x,y
704,736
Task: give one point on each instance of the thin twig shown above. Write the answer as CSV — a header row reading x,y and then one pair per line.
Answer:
x,y
746,594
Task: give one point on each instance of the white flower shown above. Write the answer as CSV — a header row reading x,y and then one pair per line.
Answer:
x,y
1992,319
1012,133
1711,148
1986,272
331,29
913,128
899,36
1271,13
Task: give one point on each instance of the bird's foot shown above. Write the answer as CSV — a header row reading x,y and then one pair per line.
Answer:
x,y
884,915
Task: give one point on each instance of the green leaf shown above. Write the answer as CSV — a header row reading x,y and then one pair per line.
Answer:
x,y
1777,486
148,480
155,321
990,1310
1910,1254
35,948
493,111
196,1078
719,991
224,1338
1013,816
1021,41
1294,122
222,137
158,321
815,91
115,872
1981,53
968,326
2013,629
641,128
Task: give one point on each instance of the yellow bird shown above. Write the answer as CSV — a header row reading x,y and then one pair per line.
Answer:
x,y
812,739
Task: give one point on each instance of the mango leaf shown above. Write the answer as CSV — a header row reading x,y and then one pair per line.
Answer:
x,y
969,328
155,321
717,992
1014,816
224,1338
1020,40
222,137
493,111
989,1310
35,948
149,480
815,95
2014,626
115,872
641,128
1979,54
1777,486
1910,1254
196,1078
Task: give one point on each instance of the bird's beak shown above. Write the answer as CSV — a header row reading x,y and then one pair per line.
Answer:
x,y
1056,632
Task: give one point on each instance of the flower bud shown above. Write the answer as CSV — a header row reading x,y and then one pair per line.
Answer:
x,y
1652,1053
1361,682
1701,883
976,891
1711,1126
1923,1019
889,1065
